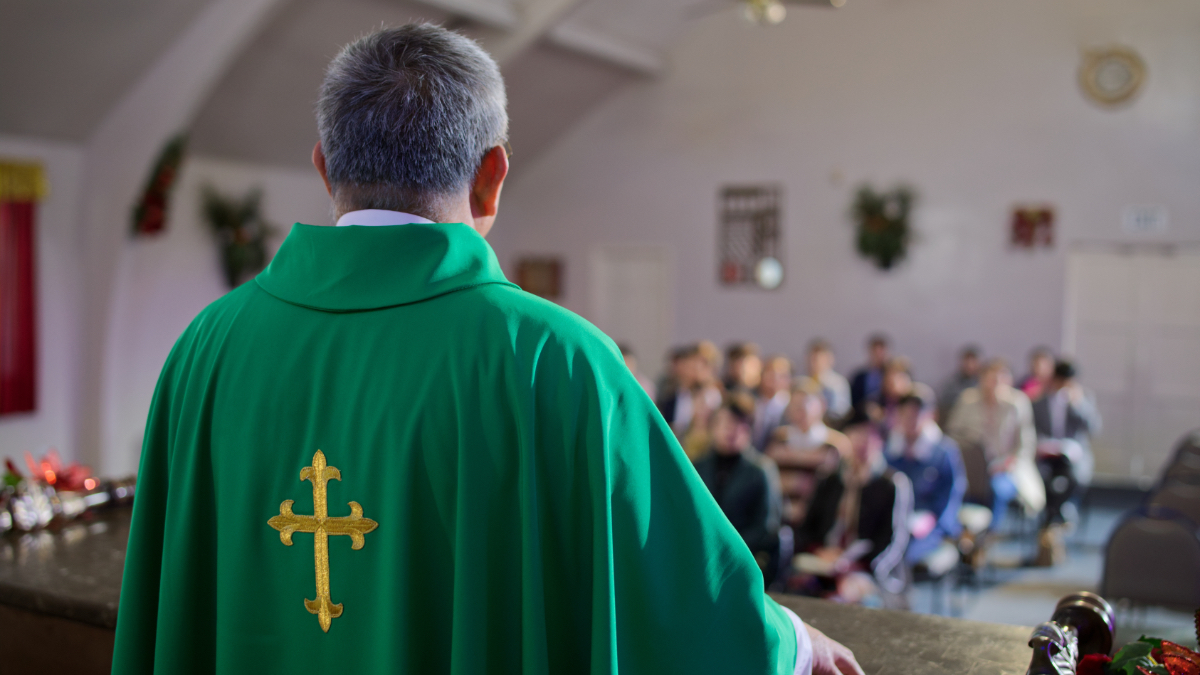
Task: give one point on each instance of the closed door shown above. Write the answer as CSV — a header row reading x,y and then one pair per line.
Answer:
x,y
631,300
1132,322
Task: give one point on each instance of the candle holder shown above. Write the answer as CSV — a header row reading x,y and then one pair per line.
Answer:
x,y
1082,624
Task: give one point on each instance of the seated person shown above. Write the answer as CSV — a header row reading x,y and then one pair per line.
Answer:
x,y
855,533
1065,419
744,483
696,439
771,399
897,383
998,420
866,381
964,378
743,367
800,448
675,396
1041,370
834,388
918,448
710,362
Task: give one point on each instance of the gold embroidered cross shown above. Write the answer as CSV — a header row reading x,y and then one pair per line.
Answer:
x,y
321,525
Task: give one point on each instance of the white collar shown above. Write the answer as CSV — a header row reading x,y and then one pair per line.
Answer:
x,y
374,217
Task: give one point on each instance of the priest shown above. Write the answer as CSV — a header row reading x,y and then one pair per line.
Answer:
x,y
381,456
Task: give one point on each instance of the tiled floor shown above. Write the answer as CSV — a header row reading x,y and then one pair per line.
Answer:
x,y
1026,596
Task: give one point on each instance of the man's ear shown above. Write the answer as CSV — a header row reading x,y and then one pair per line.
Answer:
x,y
318,160
489,180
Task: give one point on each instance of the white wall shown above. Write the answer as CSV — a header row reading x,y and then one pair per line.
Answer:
x,y
973,102
51,425
117,155
164,281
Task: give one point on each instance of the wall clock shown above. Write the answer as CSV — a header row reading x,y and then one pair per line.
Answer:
x,y
1113,76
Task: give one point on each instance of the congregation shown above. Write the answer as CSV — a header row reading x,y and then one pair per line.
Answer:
x,y
848,488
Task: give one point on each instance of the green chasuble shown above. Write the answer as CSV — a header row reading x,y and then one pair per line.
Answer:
x,y
493,491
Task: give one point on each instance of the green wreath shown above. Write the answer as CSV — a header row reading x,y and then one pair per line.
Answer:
x,y
241,233
150,211
881,221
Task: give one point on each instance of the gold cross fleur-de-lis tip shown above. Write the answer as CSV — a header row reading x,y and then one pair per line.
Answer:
x,y
321,526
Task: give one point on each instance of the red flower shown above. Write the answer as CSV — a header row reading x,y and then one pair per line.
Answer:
x,y
1179,660
1093,664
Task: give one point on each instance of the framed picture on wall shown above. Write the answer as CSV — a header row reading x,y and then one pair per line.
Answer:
x,y
750,236
541,275
1032,227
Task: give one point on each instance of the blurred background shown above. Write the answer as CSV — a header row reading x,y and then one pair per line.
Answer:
x,y
1003,175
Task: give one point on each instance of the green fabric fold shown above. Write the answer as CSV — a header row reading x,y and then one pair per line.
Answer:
x,y
535,513
342,269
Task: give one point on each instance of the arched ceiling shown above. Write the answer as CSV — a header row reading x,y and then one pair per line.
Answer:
x,y
262,111
64,64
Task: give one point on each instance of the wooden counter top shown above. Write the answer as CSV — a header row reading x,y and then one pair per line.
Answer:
x,y
74,574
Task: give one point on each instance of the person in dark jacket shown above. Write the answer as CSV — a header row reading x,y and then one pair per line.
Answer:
x,y
743,367
1065,419
675,401
744,482
967,376
897,383
855,533
931,460
868,380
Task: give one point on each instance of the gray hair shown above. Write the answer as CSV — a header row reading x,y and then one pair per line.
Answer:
x,y
406,115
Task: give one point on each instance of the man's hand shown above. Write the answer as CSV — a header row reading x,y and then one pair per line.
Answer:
x,y
829,657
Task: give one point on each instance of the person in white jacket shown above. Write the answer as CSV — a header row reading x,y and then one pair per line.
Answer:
x,y
999,419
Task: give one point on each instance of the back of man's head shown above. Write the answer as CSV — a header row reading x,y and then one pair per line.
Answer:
x,y
819,345
740,350
740,406
1064,370
919,404
405,116
685,352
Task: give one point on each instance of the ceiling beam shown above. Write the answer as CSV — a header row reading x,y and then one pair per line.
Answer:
x,y
536,18
507,31
607,48
492,13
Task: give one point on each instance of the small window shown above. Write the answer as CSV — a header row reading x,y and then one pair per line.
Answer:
x,y
750,242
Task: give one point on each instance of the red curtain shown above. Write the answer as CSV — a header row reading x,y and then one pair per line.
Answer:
x,y
18,345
